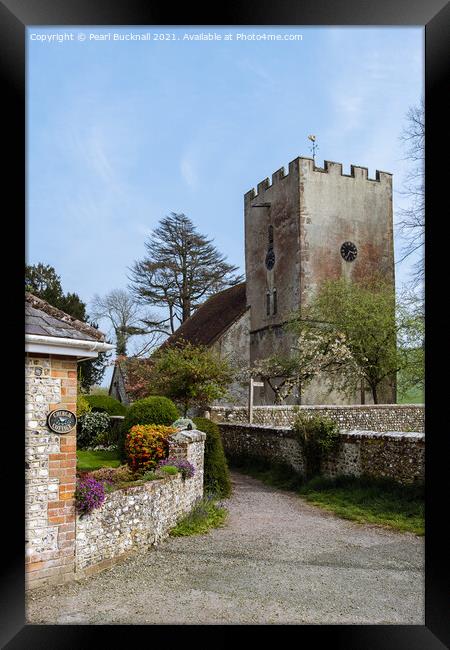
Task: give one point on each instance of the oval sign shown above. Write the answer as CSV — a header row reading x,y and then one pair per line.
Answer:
x,y
61,421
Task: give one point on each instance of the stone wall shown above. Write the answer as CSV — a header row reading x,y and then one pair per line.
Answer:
x,y
137,517
371,417
50,383
395,455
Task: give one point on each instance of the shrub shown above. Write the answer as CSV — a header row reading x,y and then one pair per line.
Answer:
x,y
216,473
169,469
150,476
113,474
146,444
83,405
106,404
184,466
89,494
150,410
317,436
90,427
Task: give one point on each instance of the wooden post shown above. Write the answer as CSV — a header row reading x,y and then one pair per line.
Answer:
x,y
250,401
251,387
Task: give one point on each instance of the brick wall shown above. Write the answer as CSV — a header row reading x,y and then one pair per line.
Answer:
x,y
371,417
50,383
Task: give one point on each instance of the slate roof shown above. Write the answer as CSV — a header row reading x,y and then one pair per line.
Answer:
x,y
212,318
44,320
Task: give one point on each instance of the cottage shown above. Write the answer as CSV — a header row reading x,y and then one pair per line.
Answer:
x,y
54,344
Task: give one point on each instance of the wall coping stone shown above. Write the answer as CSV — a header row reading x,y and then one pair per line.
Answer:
x,y
353,433
278,407
187,436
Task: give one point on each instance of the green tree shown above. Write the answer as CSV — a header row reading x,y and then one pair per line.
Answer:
x,y
412,375
190,375
374,327
43,282
181,270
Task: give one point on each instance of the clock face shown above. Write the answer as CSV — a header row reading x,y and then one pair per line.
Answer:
x,y
270,259
349,251
61,421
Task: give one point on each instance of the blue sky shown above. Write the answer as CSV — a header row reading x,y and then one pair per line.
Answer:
x,y
119,134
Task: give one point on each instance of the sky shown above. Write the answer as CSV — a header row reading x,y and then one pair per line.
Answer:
x,y
122,132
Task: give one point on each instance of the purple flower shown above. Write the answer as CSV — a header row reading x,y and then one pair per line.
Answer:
x,y
186,468
89,494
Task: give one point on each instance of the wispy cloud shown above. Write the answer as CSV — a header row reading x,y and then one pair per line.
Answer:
x,y
188,169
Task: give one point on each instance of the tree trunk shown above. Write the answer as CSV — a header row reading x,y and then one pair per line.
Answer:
x,y
172,329
374,394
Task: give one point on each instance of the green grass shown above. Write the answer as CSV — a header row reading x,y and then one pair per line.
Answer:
x,y
366,500
411,396
90,460
372,501
205,515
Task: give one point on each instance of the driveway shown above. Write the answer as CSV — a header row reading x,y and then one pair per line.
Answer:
x,y
277,560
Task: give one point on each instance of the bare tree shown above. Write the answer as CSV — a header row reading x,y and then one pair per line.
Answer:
x,y
412,223
123,312
181,270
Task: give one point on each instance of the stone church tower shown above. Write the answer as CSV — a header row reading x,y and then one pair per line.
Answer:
x,y
306,226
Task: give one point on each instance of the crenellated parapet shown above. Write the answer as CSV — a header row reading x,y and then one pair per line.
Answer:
x,y
308,166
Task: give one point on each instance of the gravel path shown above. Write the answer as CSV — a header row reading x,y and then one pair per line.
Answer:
x,y
278,560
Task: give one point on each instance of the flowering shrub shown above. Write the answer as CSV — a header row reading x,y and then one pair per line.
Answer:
x,y
89,494
184,466
146,444
91,426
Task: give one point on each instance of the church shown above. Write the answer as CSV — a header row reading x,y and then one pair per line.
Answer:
x,y
305,226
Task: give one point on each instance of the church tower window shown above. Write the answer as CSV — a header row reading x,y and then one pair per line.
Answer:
x,y
268,303
275,304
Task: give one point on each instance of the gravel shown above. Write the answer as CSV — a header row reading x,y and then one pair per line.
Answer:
x,y
278,560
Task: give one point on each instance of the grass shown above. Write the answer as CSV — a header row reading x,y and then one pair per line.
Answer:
x,y
372,501
89,460
204,516
363,499
411,396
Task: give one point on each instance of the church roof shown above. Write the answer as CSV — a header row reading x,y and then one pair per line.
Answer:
x,y
212,318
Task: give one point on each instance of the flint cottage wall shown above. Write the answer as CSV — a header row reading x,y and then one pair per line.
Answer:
x,y
50,467
61,546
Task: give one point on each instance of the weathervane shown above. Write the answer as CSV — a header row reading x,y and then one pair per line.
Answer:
x,y
313,147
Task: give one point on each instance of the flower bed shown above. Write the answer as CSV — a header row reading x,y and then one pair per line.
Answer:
x,y
139,513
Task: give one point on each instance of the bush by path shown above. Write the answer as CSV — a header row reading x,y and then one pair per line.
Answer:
x,y
216,475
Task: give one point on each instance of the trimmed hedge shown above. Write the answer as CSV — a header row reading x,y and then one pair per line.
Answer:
x,y
216,474
106,404
150,410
